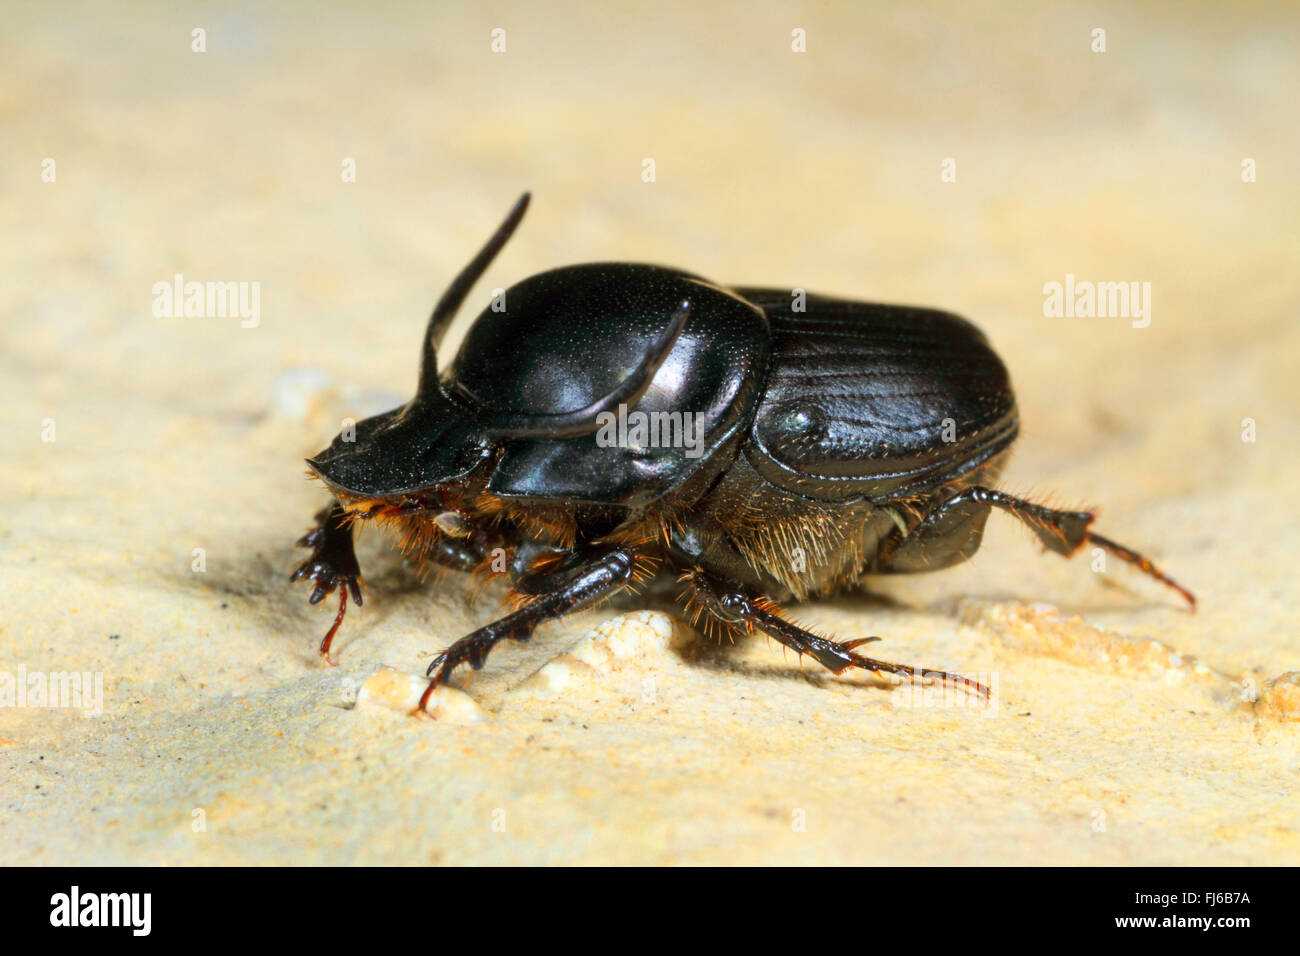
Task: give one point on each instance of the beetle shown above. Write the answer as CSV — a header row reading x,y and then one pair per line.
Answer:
x,y
795,445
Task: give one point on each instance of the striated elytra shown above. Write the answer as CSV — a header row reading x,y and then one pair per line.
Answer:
x,y
604,423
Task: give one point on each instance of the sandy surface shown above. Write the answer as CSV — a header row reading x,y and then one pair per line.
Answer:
x,y
223,740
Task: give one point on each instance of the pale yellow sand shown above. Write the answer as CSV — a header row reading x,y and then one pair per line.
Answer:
x,y
222,739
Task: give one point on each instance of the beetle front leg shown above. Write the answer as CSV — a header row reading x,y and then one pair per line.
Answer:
x,y
951,531
736,608
596,579
333,564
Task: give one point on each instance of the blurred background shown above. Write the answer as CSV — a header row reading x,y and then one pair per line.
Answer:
x,y
349,160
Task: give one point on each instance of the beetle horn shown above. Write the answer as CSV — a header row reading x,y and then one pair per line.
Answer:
x,y
583,421
451,300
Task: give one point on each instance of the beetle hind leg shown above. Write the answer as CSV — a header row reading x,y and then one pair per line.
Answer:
x,y
1142,563
951,533
734,608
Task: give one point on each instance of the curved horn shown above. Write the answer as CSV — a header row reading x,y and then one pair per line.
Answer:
x,y
451,300
583,420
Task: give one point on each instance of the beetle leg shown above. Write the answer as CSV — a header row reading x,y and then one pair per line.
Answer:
x,y
537,567
596,579
954,526
737,608
455,554
333,564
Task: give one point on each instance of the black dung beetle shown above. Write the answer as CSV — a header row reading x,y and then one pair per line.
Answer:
x,y
603,423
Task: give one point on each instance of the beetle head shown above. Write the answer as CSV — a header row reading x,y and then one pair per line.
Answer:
x,y
440,437
430,440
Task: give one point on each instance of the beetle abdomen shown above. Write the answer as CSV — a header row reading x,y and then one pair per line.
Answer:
x,y
876,401
779,542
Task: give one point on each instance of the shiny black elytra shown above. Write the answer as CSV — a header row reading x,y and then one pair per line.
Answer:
x,y
831,440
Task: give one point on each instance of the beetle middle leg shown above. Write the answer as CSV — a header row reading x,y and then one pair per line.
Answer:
x,y
952,532
736,608
597,578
